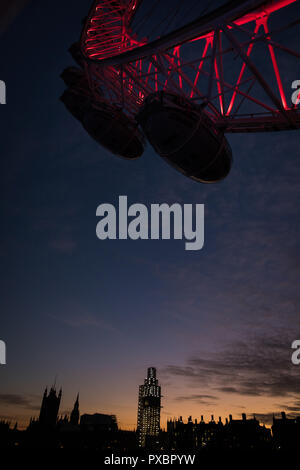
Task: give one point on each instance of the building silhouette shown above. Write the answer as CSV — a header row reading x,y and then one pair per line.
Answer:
x,y
99,422
237,434
74,418
149,405
286,432
49,408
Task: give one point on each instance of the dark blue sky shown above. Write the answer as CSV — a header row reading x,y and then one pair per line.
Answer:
x,y
98,313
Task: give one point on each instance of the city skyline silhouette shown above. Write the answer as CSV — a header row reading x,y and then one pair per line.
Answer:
x,y
100,431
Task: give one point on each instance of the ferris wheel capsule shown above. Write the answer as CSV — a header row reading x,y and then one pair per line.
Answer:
x,y
185,136
105,123
74,76
75,102
112,129
76,54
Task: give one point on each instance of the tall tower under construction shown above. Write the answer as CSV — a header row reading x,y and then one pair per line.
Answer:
x,y
149,405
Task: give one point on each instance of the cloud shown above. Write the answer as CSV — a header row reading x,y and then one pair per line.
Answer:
x,y
256,366
200,399
229,390
292,408
17,400
295,407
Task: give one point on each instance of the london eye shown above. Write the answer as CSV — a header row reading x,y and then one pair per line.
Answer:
x,y
183,75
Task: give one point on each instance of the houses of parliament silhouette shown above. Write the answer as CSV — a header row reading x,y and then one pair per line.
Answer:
x,y
101,432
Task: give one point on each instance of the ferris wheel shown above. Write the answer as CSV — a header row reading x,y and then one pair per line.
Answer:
x,y
184,74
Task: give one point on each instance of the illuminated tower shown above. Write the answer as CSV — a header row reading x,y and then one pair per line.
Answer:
x,y
149,405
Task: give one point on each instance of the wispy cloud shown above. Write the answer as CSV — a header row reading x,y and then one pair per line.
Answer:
x,y
259,366
198,398
18,400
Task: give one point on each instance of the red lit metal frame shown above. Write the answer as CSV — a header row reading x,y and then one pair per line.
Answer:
x,y
107,32
128,69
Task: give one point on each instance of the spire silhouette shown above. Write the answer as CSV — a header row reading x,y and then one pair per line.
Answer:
x,y
74,418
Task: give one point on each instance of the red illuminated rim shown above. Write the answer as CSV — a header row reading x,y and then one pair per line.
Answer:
x,y
129,68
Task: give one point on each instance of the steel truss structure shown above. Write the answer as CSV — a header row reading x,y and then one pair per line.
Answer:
x,y
208,61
